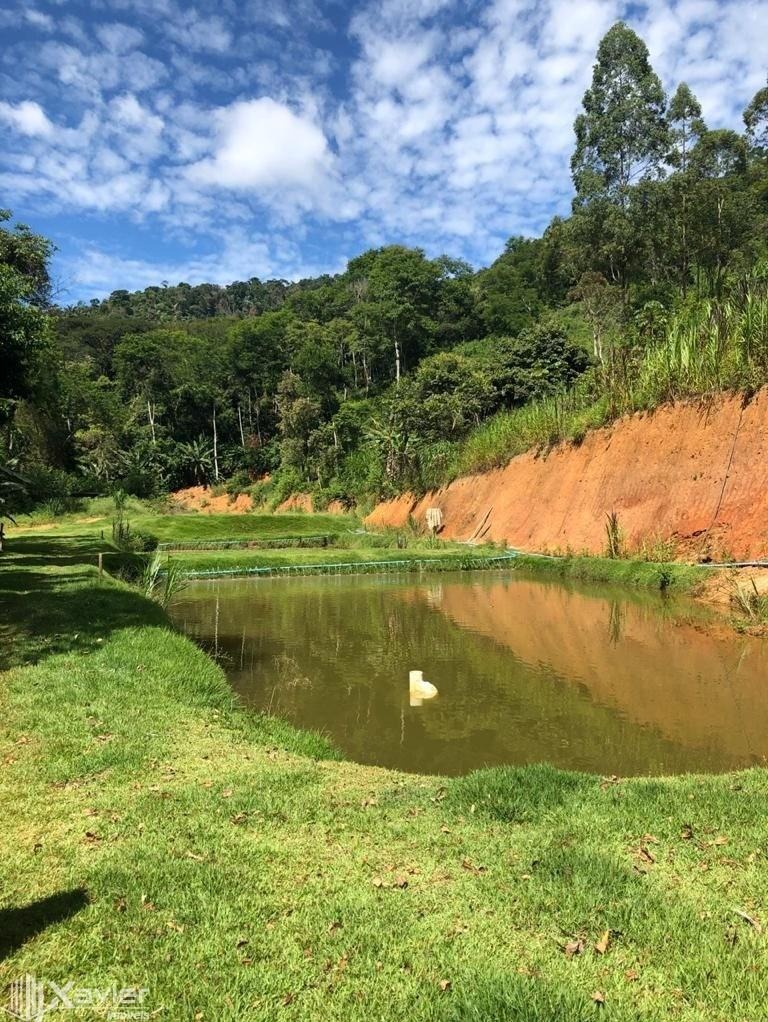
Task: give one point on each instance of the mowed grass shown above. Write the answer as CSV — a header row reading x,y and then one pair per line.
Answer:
x,y
153,834
177,528
191,526
233,560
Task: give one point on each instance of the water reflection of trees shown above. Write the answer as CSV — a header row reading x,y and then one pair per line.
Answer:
x,y
351,643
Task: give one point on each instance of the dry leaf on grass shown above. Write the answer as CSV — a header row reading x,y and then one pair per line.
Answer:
x,y
754,923
574,947
468,865
601,946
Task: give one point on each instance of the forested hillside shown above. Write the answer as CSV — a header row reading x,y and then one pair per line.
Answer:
x,y
405,370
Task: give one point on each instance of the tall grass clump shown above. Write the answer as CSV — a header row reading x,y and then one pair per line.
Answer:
x,y
567,416
614,536
162,582
750,603
708,346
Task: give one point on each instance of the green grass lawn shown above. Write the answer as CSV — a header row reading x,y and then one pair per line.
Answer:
x,y
190,526
177,528
152,834
231,560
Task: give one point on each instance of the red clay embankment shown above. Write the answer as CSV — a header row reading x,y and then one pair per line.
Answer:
x,y
695,473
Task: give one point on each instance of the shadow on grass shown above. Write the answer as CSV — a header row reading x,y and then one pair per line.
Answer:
x,y
42,614
18,925
40,552
519,794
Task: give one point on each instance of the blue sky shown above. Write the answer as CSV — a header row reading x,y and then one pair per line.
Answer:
x,y
156,140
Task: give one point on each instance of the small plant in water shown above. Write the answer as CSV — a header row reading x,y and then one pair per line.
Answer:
x,y
614,538
162,582
750,602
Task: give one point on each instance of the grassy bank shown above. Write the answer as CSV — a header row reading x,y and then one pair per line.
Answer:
x,y
680,578
153,835
189,535
445,556
189,526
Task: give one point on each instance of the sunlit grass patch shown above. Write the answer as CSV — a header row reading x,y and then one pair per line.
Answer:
x,y
152,833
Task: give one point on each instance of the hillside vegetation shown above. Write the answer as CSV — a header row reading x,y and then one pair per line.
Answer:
x,y
404,371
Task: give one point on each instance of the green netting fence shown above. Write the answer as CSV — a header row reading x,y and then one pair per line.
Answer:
x,y
413,564
264,543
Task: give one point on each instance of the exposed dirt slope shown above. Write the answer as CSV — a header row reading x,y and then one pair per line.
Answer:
x,y
695,473
201,498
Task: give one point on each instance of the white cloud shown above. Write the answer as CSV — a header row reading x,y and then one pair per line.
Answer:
x,y
449,126
265,145
136,131
201,34
27,117
39,19
238,256
119,38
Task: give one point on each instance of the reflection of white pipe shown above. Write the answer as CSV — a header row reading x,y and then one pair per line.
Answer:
x,y
418,689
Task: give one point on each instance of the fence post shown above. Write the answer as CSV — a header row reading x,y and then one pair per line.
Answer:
x,y
101,565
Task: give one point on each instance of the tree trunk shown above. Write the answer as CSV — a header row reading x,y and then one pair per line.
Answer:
x,y
151,415
240,420
598,344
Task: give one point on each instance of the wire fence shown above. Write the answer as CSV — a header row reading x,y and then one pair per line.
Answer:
x,y
412,564
271,543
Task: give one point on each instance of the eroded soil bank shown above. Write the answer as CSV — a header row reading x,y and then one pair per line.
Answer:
x,y
694,473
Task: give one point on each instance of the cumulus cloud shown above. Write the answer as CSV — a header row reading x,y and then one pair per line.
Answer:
x,y
119,38
434,122
264,145
27,117
237,256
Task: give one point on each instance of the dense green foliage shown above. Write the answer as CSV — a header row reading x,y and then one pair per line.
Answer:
x,y
405,370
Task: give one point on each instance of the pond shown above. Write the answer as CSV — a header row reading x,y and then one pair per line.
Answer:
x,y
584,677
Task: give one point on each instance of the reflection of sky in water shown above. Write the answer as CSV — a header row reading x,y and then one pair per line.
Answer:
x,y
588,678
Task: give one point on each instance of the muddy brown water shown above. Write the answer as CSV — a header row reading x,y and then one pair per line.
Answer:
x,y
587,678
